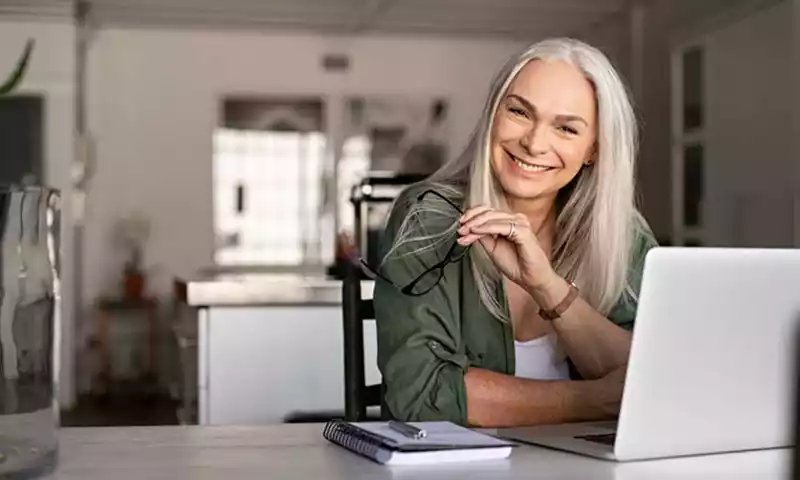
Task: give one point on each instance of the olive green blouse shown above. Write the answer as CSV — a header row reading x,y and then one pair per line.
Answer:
x,y
426,343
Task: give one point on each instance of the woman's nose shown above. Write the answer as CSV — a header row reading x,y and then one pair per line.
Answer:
x,y
535,141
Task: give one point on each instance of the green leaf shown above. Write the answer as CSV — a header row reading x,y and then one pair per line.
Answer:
x,y
19,71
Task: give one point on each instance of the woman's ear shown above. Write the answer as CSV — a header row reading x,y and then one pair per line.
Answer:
x,y
592,157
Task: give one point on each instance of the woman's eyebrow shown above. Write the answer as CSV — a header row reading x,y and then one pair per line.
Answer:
x,y
563,118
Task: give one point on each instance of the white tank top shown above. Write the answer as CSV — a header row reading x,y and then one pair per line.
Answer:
x,y
540,359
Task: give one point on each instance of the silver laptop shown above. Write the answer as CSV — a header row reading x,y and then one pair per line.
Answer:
x,y
711,366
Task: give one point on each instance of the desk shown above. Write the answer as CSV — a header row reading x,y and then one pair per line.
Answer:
x,y
299,451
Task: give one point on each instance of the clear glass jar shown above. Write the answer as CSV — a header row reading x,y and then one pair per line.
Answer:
x,y
30,313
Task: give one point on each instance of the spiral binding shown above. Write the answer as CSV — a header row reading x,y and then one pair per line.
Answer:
x,y
353,438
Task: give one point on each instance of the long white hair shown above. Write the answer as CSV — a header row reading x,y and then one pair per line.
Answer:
x,y
597,219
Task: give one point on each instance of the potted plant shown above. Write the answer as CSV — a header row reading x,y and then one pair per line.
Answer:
x,y
19,71
131,233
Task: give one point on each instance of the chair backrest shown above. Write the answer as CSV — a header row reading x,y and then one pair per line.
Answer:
x,y
357,395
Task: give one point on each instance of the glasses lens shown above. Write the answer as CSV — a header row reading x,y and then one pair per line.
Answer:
x,y
426,282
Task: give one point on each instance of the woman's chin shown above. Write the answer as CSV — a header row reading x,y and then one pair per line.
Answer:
x,y
522,188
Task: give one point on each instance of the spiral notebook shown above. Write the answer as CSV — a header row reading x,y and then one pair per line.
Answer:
x,y
445,442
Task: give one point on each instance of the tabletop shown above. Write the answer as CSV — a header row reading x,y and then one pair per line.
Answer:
x,y
299,451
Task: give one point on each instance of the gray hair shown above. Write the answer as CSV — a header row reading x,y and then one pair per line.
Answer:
x,y
597,221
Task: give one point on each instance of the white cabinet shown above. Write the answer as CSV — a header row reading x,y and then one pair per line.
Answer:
x,y
259,364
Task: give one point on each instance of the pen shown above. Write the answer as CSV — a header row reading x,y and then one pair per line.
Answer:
x,y
408,430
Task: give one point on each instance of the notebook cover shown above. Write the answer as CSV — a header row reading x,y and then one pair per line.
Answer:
x,y
354,437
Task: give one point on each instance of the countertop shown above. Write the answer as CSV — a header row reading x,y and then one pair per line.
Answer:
x,y
299,451
240,289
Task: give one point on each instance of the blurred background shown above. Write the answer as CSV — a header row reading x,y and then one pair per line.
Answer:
x,y
208,150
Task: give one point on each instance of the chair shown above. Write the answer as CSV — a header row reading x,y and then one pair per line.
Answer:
x,y
357,395
376,188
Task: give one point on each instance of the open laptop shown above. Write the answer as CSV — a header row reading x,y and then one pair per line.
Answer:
x,y
712,361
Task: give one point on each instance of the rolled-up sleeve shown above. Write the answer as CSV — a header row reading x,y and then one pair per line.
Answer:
x,y
420,351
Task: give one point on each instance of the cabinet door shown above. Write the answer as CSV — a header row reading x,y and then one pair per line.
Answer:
x,y
265,363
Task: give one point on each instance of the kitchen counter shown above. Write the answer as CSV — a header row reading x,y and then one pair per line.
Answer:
x,y
266,347
232,289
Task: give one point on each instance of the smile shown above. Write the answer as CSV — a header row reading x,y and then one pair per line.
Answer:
x,y
529,167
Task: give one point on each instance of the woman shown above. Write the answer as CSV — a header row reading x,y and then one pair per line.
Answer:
x,y
511,274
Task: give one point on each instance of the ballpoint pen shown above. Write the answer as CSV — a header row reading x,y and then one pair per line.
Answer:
x,y
408,430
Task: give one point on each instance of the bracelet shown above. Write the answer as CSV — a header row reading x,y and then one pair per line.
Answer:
x,y
559,309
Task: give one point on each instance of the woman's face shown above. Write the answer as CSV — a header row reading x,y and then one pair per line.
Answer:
x,y
544,130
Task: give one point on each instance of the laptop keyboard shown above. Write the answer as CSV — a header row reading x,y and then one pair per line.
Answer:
x,y
603,438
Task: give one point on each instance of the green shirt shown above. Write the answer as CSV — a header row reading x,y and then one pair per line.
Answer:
x,y
426,343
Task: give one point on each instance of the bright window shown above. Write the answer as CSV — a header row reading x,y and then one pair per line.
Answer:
x,y
267,197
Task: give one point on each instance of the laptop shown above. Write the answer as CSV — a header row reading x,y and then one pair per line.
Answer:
x,y
711,365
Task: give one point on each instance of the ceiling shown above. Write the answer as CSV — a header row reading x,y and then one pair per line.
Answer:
x,y
498,18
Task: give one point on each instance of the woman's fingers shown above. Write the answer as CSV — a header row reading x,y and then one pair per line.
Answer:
x,y
484,217
472,212
499,227
469,239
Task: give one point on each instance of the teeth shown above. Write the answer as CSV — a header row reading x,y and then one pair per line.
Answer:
x,y
531,168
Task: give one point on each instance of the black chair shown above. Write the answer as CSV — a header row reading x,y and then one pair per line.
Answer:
x,y
373,189
357,395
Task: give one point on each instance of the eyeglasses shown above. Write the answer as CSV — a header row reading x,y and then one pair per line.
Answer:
x,y
431,277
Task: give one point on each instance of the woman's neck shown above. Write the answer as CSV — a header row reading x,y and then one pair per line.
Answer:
x,y
541,214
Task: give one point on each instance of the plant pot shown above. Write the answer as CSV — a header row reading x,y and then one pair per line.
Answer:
x,y
134,286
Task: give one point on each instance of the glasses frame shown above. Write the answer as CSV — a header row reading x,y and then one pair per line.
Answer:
x,y
449,258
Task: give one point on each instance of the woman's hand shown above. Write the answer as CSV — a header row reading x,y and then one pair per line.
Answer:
x,y
512,246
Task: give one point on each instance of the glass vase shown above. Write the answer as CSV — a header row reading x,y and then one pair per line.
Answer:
x,y
30,303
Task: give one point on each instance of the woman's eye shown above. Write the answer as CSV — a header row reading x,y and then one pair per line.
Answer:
x,y
567,129
518,111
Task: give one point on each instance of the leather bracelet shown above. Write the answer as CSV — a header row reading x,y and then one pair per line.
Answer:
x,y
559,309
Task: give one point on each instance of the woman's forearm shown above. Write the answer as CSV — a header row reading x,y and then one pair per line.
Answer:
x,y
592,342
496,400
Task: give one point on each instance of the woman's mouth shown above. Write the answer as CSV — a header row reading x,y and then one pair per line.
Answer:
x,y
529,167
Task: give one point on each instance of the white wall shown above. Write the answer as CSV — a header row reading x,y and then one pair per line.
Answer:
x,y
750,166
52,74
154,98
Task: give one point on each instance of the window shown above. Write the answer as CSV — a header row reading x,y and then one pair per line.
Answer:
x,y
352,168
692,89
267,190
689,154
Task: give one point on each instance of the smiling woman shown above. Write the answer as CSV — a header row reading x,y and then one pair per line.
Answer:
x,y
533,324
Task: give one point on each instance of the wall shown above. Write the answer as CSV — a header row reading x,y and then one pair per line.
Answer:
x,y
52,74
750,163
613,37
796,120
153,101
663,22
643,66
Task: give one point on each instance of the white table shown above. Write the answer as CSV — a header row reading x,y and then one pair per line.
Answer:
x,y
299,451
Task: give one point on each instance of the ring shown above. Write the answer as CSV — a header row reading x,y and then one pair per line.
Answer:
x,y
513,230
